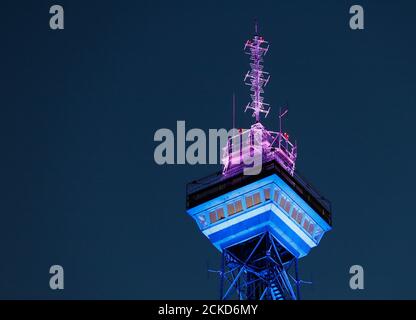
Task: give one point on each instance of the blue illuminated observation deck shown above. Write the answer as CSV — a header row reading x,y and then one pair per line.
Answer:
x,y
231,209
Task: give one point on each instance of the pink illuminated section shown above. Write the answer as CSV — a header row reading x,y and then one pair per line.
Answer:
x,y
271,144
256,78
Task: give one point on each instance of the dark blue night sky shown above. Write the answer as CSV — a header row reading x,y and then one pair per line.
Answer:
x,y
79,107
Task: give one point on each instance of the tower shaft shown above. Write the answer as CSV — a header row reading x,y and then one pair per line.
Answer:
x,y
257,269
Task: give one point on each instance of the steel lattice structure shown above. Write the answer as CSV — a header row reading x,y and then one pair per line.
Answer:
x,y
256,78
259,269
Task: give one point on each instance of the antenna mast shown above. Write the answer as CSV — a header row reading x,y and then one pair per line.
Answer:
x,y
256,78
233,127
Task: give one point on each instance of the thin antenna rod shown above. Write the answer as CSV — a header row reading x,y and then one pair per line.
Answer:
x,y
281,115
233,111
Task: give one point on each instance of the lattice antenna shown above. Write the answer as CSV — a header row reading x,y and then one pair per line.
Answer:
x,y
256,78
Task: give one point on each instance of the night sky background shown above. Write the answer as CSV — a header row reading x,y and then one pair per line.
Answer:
x,y
79,108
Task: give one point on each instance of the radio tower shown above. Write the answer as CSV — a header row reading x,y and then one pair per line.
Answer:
x,y
262,224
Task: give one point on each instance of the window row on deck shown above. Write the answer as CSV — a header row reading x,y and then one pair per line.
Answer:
x,y
267,193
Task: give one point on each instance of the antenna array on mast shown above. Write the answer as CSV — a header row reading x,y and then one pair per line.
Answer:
x,y
256,78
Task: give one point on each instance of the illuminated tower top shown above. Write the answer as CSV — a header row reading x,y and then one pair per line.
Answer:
x,y
271,144
256,78
261,223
